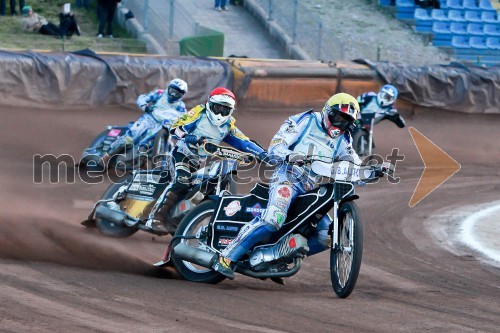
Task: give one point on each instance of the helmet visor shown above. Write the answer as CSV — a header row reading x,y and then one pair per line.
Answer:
x,y
174,92
220,109
386,97
339,118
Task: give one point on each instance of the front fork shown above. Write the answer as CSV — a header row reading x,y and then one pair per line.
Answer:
x,y
370,137
335,226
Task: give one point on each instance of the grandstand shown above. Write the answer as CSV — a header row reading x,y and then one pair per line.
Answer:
x,y
468,30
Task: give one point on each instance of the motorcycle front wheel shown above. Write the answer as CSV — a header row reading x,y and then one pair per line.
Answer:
x,y
360,143
111,229
345,259
192,224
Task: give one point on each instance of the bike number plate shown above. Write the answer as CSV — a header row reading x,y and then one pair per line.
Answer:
x,y
114,132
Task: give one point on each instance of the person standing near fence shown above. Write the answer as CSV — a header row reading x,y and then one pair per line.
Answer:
x,y
106,10
12,7
83,3
220,5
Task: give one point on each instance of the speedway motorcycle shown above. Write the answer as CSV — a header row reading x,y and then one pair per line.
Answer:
x,y
147,147
125,206
362,135
207,229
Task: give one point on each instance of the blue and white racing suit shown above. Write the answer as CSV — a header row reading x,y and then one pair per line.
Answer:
x,y
368,104
301,134
187,156
162,113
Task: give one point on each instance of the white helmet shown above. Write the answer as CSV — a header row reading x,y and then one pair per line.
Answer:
x,y
220,105
176,89
387,95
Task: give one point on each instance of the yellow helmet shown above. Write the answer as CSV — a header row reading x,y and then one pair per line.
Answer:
x,y
339,113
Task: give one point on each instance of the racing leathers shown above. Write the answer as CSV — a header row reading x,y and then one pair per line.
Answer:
x,y
190,130
160,114
370,108
300,135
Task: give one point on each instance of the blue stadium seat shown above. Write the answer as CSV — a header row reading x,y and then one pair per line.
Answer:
x,y
473,16
441,34
493,43
492,30
485,6
460,42
475,29
405,3
477,42
438,15
454,4
384,3
471,5
423,22
458,28
489,17
405,9
456,16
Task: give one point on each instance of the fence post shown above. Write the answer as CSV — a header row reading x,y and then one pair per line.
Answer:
x,y
320,37
378,52
171,21
270,10
294,33
146,6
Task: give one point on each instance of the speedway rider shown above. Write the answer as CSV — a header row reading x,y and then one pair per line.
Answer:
x,y
211,122
381,104
322,135
162,108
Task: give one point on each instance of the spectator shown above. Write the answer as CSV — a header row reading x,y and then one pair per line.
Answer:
x,y
67,21
83,3
32,22
220,5
106,10
12,7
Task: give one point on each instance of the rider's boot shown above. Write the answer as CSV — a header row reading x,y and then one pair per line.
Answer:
x,y
225,267
278,280
157,223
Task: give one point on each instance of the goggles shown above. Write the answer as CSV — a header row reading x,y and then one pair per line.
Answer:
x,y
220,109
174,92
386,96
338,116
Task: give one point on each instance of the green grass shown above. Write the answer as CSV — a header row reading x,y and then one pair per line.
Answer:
x,y
12,37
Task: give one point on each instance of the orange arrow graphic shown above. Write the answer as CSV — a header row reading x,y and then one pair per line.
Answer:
x,y
438,166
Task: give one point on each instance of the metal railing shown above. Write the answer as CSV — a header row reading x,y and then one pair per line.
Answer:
x,y
166,20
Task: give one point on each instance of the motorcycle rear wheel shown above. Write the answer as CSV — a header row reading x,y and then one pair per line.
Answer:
x,y
345,260
200,216
111,229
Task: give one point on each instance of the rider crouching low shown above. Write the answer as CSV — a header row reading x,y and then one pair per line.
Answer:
x,y
310,134
381,105
162,108
211,122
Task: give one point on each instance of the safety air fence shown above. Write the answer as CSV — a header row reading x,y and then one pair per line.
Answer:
x,y
85,79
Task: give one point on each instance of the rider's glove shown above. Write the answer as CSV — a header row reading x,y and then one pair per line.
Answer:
x,y
145,108
383,169
297,159
190,138
193,139
264,157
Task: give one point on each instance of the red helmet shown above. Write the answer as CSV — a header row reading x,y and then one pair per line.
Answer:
x,y
220,105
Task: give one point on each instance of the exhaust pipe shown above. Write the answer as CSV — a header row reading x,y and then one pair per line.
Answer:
x,y
106,213
195,256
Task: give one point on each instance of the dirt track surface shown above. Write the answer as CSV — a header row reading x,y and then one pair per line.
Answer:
x,y
58,276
